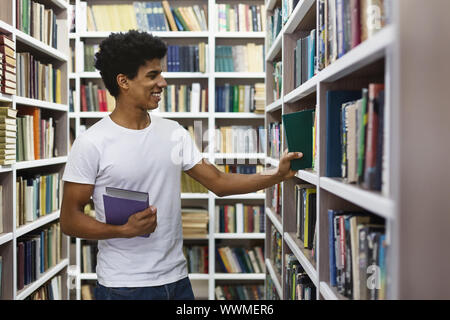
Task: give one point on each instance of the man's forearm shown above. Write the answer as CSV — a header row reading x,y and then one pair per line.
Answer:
x,y
235,183
83,226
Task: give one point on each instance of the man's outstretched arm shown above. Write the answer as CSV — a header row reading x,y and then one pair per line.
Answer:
x,y
224,184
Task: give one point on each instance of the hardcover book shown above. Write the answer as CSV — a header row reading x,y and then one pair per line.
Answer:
x,y
120,204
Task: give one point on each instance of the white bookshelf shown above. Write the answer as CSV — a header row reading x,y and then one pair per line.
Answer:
x,y
412,201
9,173
211,118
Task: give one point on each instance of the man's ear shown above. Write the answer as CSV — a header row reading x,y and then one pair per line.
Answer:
x,y
122,81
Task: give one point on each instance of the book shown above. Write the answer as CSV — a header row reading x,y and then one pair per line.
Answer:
x,y
335,99
120,204
298,128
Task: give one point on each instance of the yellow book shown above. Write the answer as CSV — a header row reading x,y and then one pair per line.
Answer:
x,y
241,98
307,214
131,18
225,260
5,126
190,12
170,18
251,54
186,18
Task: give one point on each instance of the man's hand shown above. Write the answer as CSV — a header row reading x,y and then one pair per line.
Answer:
x,y
140,223
284,168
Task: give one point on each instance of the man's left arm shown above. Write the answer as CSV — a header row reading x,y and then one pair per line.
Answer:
x,y
225,184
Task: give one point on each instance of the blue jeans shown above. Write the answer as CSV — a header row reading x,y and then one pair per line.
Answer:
x,y
179,290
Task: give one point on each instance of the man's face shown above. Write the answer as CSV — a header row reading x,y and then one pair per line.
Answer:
x,y
146,88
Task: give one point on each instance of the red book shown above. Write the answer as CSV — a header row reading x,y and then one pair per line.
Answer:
x,y
83,101
105,102
100,100
355,22
372,135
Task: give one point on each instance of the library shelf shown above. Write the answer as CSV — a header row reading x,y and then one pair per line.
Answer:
x,y
238,35
181,115
6,27
194,195
370,200
309,176
297,15
274,106
275,220
302,91
40,103
327,292
24,229
245,196
239,276
239,75
5,168
275,49
238,115
39,163
5,237
270,4
40,46
5,97
161,34
302,255
88,276
198,276
29,289
275,277
239,235
72,76
62,4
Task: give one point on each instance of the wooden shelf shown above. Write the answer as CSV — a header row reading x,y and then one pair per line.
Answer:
x,y
26,228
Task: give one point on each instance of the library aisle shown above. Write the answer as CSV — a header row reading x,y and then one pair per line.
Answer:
x,y
357,86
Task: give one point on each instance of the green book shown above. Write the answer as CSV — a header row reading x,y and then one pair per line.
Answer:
x,y
298,129
362,136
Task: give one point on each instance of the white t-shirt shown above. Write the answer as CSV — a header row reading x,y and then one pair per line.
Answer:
x,y
148,160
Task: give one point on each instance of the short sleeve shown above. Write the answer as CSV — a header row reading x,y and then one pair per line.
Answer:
x,y
191,154
82,163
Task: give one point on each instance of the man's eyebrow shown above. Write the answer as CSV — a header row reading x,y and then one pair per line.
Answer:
x,y
154,71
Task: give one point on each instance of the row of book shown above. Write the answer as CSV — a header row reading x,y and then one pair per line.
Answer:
x,y
8,133
194,222
239,218
305,58
355,133
342,25
274,25
89,257
277,79
184,98
240,139
357,254
276,249
274,133
240,17
239,292
190,185
240,58
38,80
240,260
37,252
275,200
35,136
7,65
241,168
196,258
146,16
51,290
271,290
94,98
240,98
188,58
37,196
306,214
297,284
36,20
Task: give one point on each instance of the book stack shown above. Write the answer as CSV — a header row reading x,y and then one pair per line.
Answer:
x,y
8,133
240,58
94,98
298,285
342,25
7,65
240,260
197,258
240,17
260,97
305,58
274,25
195,222
239,139
357,251
190,58
305,203
52,290
239,98
239,292
146,16
184,98
239,218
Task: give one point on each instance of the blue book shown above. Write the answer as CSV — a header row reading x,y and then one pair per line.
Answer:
x,y
176,60
149,15
42,252
335,99
340,24
120,204
177,21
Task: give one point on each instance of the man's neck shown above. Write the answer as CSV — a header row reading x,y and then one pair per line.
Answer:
x,y
130,117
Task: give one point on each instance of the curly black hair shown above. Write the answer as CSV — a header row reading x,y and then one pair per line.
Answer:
x,y
125,53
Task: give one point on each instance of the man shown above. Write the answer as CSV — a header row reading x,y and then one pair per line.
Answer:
x,y
132,150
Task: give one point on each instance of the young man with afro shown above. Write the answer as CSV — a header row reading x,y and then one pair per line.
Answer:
x,y
135,150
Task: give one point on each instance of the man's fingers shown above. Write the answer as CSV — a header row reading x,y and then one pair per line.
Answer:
x,y
294,155
146,213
